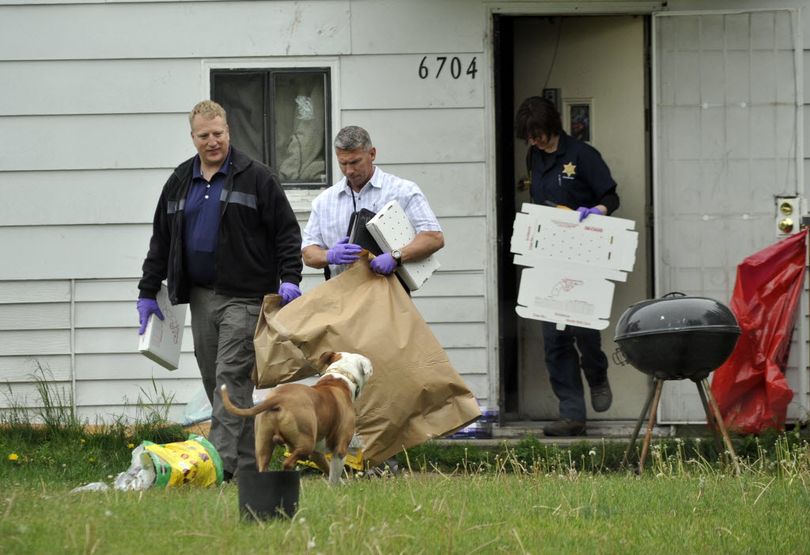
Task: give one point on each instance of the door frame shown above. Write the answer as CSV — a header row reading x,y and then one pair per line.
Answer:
x,y
501,283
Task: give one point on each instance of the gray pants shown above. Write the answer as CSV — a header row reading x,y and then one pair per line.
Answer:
x,y
223,328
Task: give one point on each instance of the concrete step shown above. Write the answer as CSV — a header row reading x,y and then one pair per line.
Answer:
x,y
615,431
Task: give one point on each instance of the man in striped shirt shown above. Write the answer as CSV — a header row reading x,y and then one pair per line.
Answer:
x,y
325,241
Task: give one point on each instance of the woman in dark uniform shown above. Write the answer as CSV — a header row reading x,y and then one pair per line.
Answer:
x,y
569,173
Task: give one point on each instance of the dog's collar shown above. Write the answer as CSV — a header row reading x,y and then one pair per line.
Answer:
x,y
348,378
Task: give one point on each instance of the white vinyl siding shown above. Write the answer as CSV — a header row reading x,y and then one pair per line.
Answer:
x,y
99,120
110,377
138,30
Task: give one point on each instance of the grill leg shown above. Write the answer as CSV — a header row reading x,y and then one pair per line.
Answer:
x,y
718,442
659,384
634,437
718,417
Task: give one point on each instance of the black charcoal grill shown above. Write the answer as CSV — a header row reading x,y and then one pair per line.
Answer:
x,y
673,338
677,337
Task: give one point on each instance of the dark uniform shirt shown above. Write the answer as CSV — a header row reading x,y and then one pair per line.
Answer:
x,y
573,176
201,233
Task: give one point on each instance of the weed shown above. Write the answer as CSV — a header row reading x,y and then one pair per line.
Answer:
x,y
16,414
153,406
57,410
54,409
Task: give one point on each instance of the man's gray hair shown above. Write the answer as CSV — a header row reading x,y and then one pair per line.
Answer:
x,y
352,137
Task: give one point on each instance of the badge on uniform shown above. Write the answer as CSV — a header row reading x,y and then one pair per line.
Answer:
x,y
569,169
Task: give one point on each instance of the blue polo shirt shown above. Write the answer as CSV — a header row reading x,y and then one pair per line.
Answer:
x,y
574,175
202,212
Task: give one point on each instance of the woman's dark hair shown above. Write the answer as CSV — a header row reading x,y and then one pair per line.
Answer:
x,y
537,116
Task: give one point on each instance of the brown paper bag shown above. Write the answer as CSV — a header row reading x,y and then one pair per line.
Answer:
x,y
277,359
414,395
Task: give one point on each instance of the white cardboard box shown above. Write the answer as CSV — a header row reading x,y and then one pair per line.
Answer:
x,y
392,230
569,264
162,339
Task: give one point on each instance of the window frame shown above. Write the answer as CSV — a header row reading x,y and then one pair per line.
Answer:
x,y
300,199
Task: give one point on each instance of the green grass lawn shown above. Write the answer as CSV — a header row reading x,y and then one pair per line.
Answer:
x,y
424,513
528,497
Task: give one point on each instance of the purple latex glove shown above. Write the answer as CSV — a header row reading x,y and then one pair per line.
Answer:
x,y
343,252
146,307
384,264
584,212
289,292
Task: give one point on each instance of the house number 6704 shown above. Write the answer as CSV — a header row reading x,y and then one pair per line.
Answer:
x,y
452,66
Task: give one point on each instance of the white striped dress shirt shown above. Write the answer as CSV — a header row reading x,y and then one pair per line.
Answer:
x,y
332,209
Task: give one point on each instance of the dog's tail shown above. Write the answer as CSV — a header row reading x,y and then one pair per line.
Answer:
x,y
267,404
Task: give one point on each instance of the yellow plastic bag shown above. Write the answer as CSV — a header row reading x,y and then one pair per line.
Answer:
x,y
194,462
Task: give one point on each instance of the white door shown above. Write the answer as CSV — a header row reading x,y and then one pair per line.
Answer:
x,y
727,131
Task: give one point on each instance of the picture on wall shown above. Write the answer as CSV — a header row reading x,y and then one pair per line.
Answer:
x,y
578,115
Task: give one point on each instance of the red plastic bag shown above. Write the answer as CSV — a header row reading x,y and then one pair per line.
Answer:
x,y
750,387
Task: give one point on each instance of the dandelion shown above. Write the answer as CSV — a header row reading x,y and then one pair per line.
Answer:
x,y
130,446
592,452
14,457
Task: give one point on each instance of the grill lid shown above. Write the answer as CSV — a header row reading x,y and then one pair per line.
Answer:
x,y
676,313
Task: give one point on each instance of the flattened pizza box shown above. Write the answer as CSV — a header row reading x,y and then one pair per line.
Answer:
x,y
569,264
543,234
566,295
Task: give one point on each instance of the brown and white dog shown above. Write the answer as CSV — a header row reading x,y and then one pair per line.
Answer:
x,y
310,420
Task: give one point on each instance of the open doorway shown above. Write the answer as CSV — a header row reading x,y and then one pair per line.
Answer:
x,y
596,69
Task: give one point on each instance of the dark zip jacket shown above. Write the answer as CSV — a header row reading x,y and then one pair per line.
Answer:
x,y
574,175
259,237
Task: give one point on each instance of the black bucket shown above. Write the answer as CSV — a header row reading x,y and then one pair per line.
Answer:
x,y
266,495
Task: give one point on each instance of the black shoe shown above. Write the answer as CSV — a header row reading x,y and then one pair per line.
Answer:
x,y
565,427
601,397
